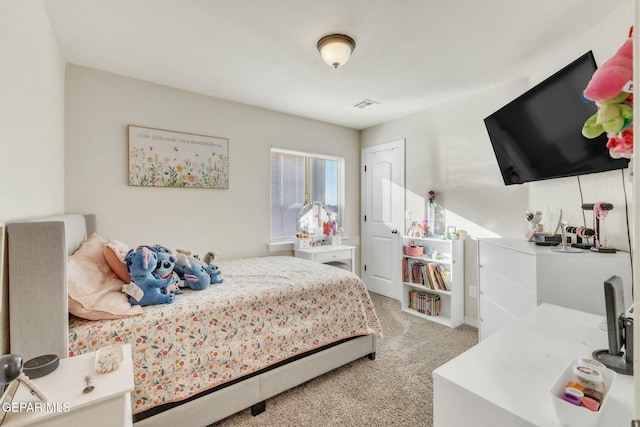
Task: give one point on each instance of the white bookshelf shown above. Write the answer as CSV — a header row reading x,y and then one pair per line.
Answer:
x,y
450,258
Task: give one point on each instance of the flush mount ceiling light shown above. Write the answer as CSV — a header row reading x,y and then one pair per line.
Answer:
x,y
366,103
336,49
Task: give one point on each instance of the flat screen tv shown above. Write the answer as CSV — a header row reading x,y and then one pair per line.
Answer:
x,y
539,134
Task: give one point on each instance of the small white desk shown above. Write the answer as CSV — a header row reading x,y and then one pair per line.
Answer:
x,y
505,379
108,405
329,253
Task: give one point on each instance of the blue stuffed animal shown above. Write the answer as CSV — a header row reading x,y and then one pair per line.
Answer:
x,y
196,277
141,263
191,270
182,261
164,268
212,268
214,273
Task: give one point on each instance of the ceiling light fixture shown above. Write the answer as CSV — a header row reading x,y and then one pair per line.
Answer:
x,y
336,49
365,103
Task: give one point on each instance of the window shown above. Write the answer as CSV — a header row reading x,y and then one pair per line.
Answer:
x,y
298,178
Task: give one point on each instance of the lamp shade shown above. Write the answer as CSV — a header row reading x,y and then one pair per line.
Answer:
x,y
336,49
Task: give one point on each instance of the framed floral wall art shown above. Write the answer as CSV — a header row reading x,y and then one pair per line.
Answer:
x,y
163,158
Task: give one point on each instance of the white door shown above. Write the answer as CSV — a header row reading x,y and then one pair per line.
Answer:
x,y
383,218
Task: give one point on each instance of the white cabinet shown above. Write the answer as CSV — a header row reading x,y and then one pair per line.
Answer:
x,y
109,404
515,276
505,380
422,294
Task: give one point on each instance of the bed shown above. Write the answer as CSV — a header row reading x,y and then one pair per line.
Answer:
x,y
274,323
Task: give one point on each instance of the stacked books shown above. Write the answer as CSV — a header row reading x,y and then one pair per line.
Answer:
x,y
424,302
432,275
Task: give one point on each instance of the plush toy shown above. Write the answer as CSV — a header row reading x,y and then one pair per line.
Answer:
x,y
196,277
141,263
613,115
174,288
209,257
620,145
214,273
612,76
610,89
212,268
182,260
191,270
164,268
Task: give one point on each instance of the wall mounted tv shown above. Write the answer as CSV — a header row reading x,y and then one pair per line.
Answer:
x,y
539,134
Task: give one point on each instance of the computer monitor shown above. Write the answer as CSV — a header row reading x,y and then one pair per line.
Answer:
x,y
619,355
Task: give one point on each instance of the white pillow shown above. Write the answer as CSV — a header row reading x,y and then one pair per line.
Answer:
x,y
95,292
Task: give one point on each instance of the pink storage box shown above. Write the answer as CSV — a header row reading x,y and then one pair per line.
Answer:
x,y
414,250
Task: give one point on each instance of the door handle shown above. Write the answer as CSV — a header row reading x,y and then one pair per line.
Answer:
x,y
394,231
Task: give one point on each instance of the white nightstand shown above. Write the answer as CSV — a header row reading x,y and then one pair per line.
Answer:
x,y
109,404
329,253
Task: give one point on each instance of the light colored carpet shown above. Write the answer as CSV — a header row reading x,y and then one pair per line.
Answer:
x,y
395,389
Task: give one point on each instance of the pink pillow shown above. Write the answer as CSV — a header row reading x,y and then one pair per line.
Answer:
x,y
95,292
114,253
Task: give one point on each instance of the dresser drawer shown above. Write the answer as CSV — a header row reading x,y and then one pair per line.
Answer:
x,y
512,297
514,266
339,255
492,318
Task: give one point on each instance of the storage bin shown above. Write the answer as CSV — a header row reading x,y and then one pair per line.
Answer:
x,y
573,415
413,250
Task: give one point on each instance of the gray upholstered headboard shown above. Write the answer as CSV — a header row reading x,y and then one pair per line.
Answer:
x,y
38,304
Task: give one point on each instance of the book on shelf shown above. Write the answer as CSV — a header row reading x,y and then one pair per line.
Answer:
x,y
413,271
433,277
428,274
424,302
444,276
441,276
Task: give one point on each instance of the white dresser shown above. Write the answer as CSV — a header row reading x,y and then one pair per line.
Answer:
x,y
515,276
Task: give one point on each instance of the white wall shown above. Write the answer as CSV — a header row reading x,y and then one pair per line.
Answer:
x,y
32,124
235,222
613,187
453,157
449,151
32,111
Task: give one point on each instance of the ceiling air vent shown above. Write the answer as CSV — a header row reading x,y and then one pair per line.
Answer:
x,y
365,103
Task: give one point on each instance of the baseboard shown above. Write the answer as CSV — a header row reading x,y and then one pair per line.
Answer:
x,y
471,321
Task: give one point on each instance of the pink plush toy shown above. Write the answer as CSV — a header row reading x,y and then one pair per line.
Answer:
x,y
610,89
621,144
611,77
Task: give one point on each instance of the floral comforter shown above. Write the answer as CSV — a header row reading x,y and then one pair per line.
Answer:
x,y
267,310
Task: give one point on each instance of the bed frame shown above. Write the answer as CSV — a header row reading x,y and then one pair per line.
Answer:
x,y
39,324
